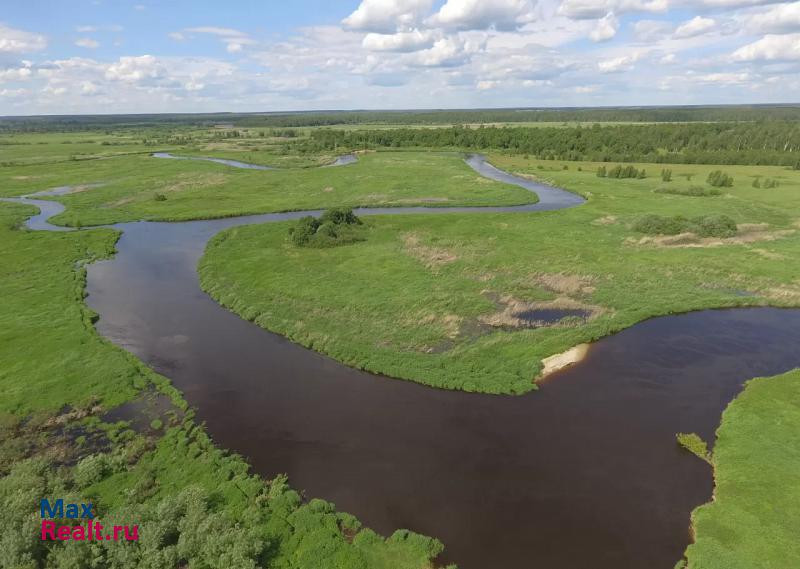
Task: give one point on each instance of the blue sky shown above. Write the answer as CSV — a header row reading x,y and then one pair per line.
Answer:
x,y
104,56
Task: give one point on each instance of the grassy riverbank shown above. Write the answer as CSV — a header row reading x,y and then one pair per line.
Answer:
x,y
195,505
432,299
144,188
754,517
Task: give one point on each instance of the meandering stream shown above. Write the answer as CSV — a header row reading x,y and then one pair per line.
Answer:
x,y
583,473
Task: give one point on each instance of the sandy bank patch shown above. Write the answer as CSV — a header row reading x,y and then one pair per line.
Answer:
x,y
512,312
767,254
605,220
558,362
83,188
431,257
748,233
328,189
25,177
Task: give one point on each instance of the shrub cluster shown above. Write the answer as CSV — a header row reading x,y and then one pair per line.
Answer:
x,y
720,179
620,171
666,175
336,226
693,191
704,225
767,183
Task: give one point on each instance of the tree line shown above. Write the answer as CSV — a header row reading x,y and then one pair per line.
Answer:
x,y
773,142
747,113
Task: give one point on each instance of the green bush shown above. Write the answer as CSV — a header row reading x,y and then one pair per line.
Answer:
x,y
660,225
719,179
704,225
160,197
620,171
601,172
666,175
91,469
692,191
336,226
714,226
340,216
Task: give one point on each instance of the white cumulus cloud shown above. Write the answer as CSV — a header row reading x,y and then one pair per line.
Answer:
x,y
136,68
617,64
399,42
778,19
15,74
695,27
88,43
483,15
605,29
387,16
771,48
447,52
593,9
20,41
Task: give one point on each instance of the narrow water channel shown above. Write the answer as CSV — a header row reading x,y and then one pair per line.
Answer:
x,y
584,473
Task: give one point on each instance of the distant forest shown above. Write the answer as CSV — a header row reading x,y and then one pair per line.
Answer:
x,y
704,135
422,117
767,142
476,116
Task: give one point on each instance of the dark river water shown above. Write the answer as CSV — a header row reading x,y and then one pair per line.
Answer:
x,y
583,473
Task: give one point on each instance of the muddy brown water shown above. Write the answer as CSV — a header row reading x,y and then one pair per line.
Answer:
x,y
583,473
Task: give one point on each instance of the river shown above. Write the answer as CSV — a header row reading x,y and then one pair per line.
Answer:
x,y
583,473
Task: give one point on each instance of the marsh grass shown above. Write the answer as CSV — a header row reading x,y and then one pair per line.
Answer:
x,y
753,518
204,190
695,445
410,293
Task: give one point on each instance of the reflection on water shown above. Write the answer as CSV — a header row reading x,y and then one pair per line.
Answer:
x,y
233,163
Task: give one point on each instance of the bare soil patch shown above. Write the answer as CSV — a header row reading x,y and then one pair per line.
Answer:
x,y
567,284
431,257
605,220
748,233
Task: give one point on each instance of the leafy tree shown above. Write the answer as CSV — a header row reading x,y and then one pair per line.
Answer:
x,y
336,226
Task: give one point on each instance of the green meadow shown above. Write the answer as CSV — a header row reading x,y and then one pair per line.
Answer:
x,y
145,188
433,298
753,519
